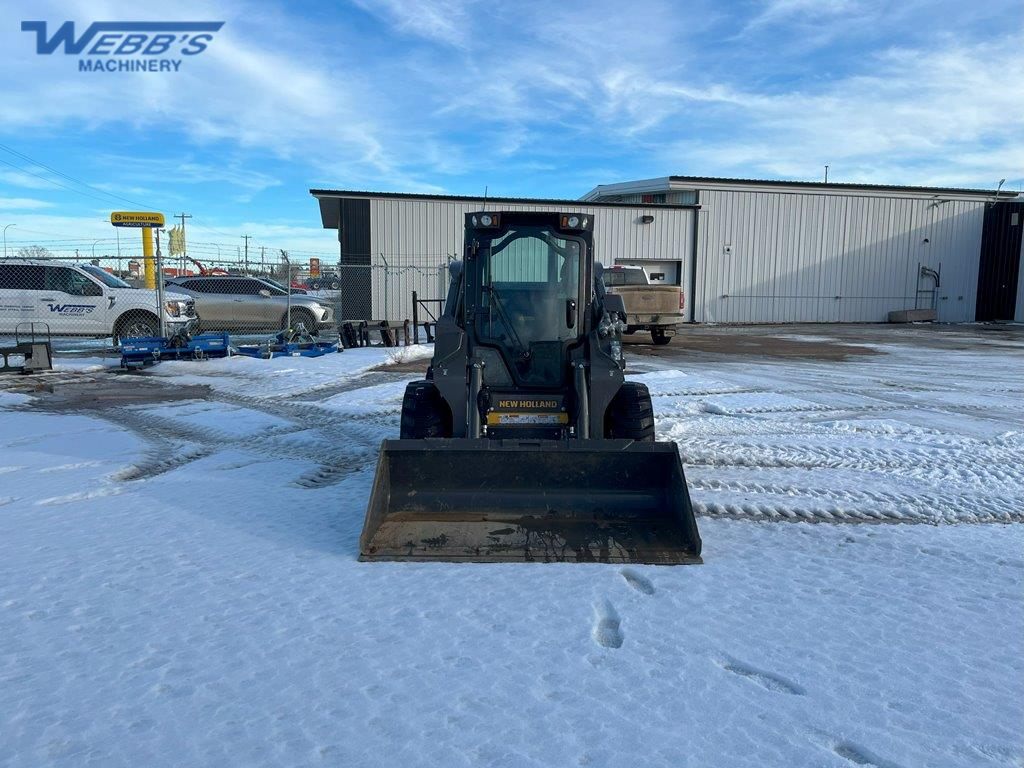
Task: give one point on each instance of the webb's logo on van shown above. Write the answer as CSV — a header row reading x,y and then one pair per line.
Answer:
x,y
71,309
127,46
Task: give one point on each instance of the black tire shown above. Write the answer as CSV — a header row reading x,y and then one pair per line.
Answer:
x,y
303,316
630,415
424,412
659,336
136,324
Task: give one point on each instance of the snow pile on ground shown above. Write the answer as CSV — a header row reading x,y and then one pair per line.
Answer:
x,y
14,398
285,376
892,438
85,364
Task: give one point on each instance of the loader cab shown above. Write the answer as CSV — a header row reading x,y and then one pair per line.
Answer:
x,y
528,277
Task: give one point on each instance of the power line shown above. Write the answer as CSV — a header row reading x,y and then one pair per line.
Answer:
x,y
63,175
51,181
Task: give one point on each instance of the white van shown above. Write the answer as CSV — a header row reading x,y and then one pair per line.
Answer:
x,y
84,300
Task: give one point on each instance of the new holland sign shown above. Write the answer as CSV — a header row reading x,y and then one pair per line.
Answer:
x,y
136,219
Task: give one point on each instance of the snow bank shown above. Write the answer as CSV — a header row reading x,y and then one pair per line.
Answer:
x,y
85,364
9,399
285,376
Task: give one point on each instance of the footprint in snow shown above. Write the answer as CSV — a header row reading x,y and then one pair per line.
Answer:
x,y
607,630
860,756
766,680
637,582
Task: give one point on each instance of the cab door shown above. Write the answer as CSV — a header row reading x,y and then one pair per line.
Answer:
x,y
72,302
20,286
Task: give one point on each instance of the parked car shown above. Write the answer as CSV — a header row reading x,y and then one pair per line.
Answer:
x,y
239,303
657,308
282,287
85,300
326,281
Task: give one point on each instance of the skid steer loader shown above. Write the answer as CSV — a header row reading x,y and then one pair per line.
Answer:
x,y
524,443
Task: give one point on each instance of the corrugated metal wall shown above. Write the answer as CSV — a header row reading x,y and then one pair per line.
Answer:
x,y
412,241
800,257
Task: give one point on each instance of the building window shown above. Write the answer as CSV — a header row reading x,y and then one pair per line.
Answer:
x,y
653,199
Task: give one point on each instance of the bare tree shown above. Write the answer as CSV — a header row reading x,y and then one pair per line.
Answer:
x,y
33,252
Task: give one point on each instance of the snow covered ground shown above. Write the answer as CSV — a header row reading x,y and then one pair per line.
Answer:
x,y
179,584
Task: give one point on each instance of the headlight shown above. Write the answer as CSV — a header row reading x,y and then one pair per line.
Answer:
x,y
486,219
574,221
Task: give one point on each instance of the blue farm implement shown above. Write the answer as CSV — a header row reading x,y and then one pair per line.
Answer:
x,y
290,343
140,352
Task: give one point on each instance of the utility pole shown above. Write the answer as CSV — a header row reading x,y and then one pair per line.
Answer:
x,y
184,242
246,238
826,174
160,283
5,238
288,282
263,253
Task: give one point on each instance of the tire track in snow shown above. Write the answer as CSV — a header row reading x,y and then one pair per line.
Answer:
x,y
986,462
866,504
342,446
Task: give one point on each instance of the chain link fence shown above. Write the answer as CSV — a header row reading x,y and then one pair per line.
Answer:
x,y
86,306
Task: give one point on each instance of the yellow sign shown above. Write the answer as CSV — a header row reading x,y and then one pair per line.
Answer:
x,y
136,219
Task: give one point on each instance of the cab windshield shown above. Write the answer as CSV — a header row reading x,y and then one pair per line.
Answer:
x,y
529,294
104,277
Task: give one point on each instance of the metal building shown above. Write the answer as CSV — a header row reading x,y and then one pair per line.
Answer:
x,y
393,244
782,251
745,251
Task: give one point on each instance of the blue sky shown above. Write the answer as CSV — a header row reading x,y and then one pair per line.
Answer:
x,y
529,99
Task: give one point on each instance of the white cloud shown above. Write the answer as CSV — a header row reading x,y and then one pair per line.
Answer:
x,y
22,204
924,117
804,11
444,21
25,180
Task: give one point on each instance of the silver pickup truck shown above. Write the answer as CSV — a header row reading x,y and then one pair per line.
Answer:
x,y
649,307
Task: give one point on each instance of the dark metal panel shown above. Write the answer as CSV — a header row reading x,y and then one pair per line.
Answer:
x,y
330,212
999,267
354,239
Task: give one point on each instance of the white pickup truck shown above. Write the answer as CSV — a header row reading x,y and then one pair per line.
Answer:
x,y
84,300
649,307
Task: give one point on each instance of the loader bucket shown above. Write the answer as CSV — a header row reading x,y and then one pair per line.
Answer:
x,y
609,501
